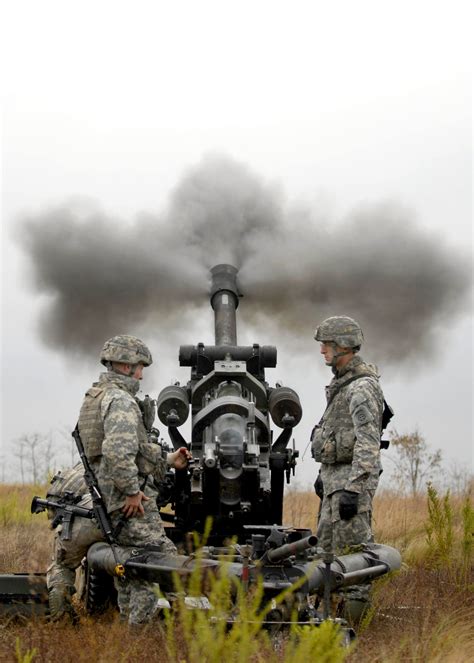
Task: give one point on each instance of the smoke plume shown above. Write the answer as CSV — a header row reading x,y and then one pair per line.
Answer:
x,y
102,275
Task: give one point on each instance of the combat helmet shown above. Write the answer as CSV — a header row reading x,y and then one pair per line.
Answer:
x,y
125,350
340,329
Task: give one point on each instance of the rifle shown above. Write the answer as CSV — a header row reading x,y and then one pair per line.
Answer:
x,y
65,510
98,505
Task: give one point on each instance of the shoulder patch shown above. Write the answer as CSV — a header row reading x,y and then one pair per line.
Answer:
x,y
362,415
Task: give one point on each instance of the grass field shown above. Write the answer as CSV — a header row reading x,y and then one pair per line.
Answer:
x,y
423,613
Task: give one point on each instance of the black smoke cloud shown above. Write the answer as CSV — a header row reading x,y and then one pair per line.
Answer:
x,y
102,275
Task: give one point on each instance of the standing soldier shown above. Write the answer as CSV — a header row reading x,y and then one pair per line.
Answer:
x,y
346,442
117,447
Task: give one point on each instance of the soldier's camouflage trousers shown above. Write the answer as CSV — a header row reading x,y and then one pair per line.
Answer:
x,y
137,598
67,556
339,536
346,536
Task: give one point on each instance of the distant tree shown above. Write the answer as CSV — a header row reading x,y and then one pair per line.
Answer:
x,y
35,454
47,454
459,478
69,442
415,464
20,454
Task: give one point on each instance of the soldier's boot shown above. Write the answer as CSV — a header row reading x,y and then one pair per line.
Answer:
x,y
354,610
60,605
355,604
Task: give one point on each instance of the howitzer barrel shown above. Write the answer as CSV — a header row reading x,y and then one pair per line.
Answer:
x,y
294,548
224,301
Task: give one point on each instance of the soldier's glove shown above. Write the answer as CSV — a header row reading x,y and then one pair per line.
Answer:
x,y
318,487
348,504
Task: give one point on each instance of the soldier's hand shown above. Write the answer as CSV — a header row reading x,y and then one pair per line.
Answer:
x,y
133,505
179,459
348,504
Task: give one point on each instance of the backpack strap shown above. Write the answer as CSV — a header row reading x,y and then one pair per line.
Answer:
x,y
344,384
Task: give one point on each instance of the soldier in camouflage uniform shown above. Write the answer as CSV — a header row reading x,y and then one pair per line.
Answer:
x,y
117,447
346,442
69,547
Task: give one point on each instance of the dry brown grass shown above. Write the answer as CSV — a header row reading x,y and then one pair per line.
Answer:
x,y
397,520
26,538
419,614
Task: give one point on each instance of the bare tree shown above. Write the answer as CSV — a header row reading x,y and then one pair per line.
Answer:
x,y
48,455
459,478
66,436
415,464
35,453
20,454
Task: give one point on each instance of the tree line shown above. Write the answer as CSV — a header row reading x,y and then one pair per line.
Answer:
x,y
410,462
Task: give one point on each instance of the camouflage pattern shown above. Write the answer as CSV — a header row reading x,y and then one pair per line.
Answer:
x,y
125,349
342,536
138,598
116,441
67,554
128,463
347,443
90,423
347,439
340,329
71,481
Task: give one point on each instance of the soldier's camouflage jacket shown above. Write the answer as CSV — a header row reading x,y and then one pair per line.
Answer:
x,y
115,440
346,441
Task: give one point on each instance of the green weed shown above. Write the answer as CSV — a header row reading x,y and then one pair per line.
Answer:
x,y
467,542
233,629
27,657
439,530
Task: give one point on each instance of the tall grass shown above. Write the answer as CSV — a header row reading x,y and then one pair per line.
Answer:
x,y
25,537
423,613
232,628
15,503
199,635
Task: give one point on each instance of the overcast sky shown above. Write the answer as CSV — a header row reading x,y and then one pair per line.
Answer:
x,y
333,107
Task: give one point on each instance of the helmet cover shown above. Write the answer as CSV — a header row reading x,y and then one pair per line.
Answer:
x,y
340,329
126,349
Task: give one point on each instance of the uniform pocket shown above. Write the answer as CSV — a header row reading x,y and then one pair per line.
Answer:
x,y
323,446
345,440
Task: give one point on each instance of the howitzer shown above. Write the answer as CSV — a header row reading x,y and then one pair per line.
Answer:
x,y
236,477
238,474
